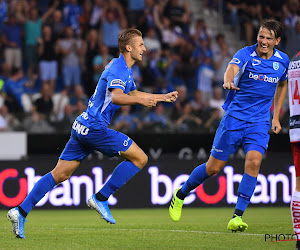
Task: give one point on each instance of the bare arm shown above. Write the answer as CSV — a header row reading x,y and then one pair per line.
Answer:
x,y
229,75
278,101
120,98
50,11
169,97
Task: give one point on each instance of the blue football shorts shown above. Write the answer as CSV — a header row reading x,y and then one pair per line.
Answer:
x,y
233,133
84,140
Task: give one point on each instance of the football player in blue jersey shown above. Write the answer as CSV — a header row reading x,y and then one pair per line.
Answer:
x,y
90,132
255,76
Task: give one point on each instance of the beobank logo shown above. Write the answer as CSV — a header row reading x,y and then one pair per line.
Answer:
x,y
264,78
76,190
68,193
266,190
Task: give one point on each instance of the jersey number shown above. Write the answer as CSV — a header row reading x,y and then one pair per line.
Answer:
x,y
295,92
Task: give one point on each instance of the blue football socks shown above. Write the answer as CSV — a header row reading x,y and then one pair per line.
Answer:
x,y
122,173
43,186
198,175
245,192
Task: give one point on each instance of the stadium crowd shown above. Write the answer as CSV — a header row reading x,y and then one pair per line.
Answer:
x,y
52,54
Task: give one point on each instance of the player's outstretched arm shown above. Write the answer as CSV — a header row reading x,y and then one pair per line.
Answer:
x,y
278,101
120,98
169,97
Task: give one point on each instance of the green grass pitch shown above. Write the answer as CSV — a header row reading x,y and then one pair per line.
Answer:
x,y
199,228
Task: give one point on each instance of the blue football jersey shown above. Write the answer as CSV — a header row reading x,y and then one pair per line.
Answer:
x,y
257,80
100,109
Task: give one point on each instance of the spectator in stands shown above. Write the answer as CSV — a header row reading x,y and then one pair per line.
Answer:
x,y
101,59
11,122
57,25
273,9
20,9
3,123
156,120
78,95
201,32
91,47
210,7
197,104
178,14
47,58
186,72
65,119
72,11
84,18
71,50
126,122
110,30
292,39
15,87
200,53
163,86
169,34
3,12
291,15
217,101
233,8
177,78
137,75
12,41
80,107
251,16
146,20
33,31
135,9
44,104
205,76
36,124
97,12
151,69
118,11
151,40
187,121
181,100
222,55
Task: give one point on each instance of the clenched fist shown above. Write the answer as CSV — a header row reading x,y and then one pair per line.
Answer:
x,y
171,97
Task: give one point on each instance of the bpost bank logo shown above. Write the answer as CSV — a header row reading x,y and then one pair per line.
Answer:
x,y
76,190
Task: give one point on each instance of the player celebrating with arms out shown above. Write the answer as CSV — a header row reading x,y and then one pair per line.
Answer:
x,y
254,76
90,132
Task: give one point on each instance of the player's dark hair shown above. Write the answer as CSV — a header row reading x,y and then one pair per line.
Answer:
x,y
125,38
272,25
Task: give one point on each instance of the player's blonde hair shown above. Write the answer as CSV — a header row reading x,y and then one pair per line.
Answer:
x,y
126,37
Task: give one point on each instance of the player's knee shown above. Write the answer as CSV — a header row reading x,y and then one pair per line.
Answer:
x,y
253,164
212,169
142,161
60,177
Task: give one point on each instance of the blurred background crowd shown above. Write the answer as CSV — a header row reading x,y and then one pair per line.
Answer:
x,y
52,54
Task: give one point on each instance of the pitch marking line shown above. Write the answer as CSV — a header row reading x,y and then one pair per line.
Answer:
x,y
140,229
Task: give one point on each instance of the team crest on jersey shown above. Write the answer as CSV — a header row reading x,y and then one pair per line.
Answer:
x,y
275,65
256,62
